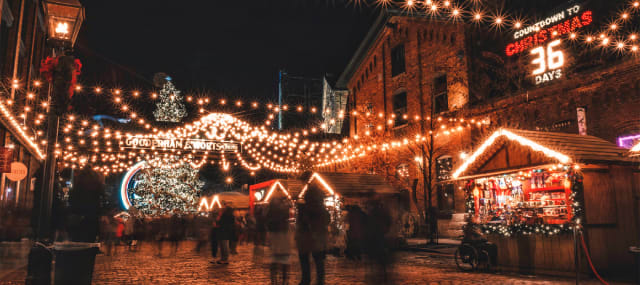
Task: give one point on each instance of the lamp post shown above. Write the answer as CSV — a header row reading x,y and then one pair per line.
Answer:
x,y
64,18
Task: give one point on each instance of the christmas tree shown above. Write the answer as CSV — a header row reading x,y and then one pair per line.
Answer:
x,y
169,107
165,188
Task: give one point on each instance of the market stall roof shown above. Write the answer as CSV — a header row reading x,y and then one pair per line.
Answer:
x,y
289,187
350,184
542,147
235,199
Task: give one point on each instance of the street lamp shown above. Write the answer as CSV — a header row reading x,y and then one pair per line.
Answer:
x,y
64,18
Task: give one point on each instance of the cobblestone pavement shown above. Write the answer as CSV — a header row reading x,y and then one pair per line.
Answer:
x,y
190,267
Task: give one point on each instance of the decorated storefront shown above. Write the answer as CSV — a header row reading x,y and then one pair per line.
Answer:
x,y
528,191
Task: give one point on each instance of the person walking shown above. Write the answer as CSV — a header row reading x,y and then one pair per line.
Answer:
x,y
378,244
356,219
279,238
226,224
312,234
129,227
213,239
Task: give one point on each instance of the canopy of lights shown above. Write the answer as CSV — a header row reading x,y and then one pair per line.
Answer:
x,y
221,138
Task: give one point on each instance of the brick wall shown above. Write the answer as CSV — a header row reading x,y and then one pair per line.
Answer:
x,y
609,92
431,49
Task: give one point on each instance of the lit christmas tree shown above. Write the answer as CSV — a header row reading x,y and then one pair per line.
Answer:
x,y
170,107
167,187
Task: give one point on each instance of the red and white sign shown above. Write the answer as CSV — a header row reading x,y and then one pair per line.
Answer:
x,y
544,35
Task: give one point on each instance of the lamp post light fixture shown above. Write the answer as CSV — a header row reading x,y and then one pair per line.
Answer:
x,y
64,18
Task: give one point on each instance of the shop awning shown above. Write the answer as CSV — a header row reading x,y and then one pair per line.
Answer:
x,y
350,184
512,148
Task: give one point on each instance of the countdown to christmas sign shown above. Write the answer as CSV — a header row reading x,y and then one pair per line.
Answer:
x,y
543,42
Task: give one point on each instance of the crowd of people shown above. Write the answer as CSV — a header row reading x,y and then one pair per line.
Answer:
x,y
280,228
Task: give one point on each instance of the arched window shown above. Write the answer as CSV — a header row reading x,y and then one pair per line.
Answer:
x,y
444,165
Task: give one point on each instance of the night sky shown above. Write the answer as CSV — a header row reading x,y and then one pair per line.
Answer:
x,y
235,47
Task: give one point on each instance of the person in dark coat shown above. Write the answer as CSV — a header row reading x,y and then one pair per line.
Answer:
x,y
84,200
226,224
378,245
357,220
213,239
312,232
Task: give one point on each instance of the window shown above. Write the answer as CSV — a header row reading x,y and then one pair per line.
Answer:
x,y
400,108
402,171
443,168
446,201
440,98
397,60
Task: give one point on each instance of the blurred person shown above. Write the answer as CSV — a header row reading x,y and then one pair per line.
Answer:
x,y
312,234
279,238
226,224
201,229
107,233
119,230
157,232
474,236
260,234
84,205
213,239
129,236
176,231
378,242
251,227
235,236
357,219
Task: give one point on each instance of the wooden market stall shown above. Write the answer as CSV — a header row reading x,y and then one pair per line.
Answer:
x,y
528,189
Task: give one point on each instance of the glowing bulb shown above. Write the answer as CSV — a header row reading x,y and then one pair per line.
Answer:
x,y
62,28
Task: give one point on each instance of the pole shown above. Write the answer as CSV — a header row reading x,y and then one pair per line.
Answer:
x,y
576,253
44,219
280,100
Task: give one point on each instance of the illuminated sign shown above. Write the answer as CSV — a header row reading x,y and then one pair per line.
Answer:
x,y
546,34
629,141
181,144
548,62
547,21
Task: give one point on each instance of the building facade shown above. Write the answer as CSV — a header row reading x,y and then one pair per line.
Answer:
x,y
22,48
419,75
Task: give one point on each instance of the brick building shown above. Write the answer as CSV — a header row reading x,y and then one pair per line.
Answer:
x,y
415,66
22,48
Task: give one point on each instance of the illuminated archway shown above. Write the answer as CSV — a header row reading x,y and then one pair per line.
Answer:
x,y
126,180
